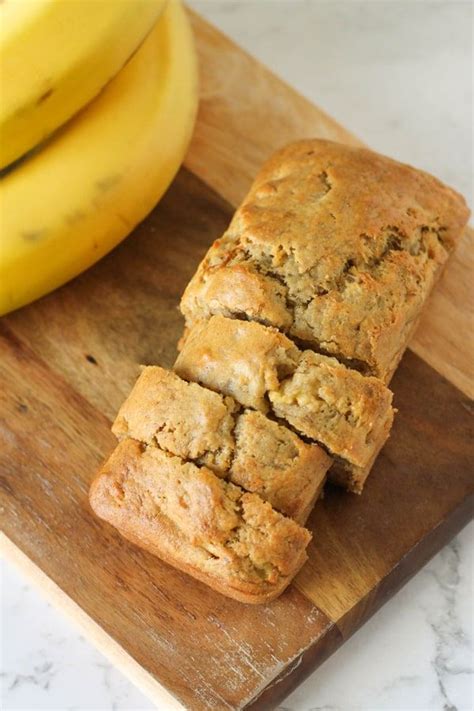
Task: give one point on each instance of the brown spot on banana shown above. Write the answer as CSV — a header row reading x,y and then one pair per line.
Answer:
x,y
33,235
75,217
107,183
45,95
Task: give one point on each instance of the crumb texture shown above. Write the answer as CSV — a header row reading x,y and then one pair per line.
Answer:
x,y
276,463
207,524
237,358
348,413
180,417
210,429
337,246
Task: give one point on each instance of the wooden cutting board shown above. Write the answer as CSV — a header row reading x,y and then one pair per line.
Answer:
x,y
67,362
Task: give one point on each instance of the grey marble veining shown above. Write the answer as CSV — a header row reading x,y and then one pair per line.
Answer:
x,y
416,653
397,73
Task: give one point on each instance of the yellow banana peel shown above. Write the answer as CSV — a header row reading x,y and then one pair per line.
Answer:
x,y
67,205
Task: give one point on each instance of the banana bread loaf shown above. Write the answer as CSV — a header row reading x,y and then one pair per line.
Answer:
x,y
243,446
338,247
348,413
201,524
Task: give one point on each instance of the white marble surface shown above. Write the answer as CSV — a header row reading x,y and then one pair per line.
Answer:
x,y
399,75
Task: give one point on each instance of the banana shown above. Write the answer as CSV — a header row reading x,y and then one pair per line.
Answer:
x,y
67,205
55,56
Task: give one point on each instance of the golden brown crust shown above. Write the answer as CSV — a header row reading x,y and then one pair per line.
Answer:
x,y
348,413
211,529
209,429
326,231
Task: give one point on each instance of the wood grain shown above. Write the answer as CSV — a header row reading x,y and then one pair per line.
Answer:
x,y
65,364
419,479
246,113
67,361
124,311
211,652
106,644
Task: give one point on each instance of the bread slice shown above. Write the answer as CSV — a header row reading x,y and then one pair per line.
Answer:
x,y
237,358
276,464
348,413
179,417
209,528
210,429
337,246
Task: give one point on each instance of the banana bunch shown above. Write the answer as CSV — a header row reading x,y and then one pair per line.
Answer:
x,y
74,197
56,56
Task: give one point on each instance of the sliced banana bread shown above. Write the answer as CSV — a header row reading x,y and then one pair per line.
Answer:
x,y
201,524
348,413
243,446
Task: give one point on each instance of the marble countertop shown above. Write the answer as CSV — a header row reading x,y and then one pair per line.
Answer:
x,y
398,74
